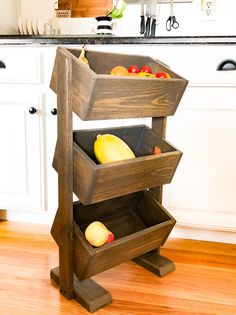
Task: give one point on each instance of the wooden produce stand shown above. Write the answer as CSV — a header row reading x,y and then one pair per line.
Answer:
x,y
125,195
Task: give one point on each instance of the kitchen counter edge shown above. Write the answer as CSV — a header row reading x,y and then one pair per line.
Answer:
x,y
100,40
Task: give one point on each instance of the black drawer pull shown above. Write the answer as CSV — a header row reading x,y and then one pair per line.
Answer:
x,y
2,64
226,65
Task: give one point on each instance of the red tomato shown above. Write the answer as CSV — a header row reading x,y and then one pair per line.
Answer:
x,y
146,69
162,75
133,69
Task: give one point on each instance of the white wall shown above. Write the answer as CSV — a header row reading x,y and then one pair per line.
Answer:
x,y
8,16
189,17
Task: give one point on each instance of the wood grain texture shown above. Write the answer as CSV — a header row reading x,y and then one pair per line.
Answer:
x,y
87,292
88,8
65,180
204,282
98,95
96,182
138,222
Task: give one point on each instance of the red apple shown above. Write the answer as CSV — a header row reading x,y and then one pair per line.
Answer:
x,y
133,69
162,75
110,238
146,69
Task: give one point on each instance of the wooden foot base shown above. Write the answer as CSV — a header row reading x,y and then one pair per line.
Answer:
x,y
87,292
155,263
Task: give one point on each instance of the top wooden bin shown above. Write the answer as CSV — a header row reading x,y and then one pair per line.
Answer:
x,y
98,95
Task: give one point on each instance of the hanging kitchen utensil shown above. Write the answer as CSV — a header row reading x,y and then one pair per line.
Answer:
x,y
154,19
142,22
148,15
171,21
158,13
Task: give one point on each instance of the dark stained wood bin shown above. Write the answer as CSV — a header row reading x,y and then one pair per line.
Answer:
x,y
99,95
139,223
95,182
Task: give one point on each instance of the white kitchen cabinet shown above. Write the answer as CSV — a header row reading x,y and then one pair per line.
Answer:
x,y
202,195
21,166
27,181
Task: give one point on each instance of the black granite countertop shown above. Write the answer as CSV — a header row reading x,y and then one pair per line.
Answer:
x,y
96,40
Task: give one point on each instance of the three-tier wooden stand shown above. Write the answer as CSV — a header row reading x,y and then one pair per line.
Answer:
x,y
125,195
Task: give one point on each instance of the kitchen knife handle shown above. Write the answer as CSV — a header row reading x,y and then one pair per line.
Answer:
x,y
153,28
147,27
142,24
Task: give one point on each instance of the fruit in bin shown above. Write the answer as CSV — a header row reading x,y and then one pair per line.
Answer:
x,y
110,148
157,150
111,237
133,69
119,70
162,75
146,69
145,75
97,234
82,57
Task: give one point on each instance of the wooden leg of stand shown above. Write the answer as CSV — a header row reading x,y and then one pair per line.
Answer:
x,y
87,292
65,171
155,263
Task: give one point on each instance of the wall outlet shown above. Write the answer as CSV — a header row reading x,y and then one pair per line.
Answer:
x,y
208,10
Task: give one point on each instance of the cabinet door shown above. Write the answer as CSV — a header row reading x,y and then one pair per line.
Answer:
x,y
21,158
49,145
202,193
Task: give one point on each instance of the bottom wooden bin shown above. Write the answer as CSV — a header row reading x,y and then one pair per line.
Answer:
x,y
138,221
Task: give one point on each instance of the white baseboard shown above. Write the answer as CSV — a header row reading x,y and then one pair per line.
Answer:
x,y
180,230
204,234
41,218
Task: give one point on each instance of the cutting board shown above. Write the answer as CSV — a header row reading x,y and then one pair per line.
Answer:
x,y
88,8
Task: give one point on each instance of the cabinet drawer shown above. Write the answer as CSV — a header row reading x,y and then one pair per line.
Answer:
x,y
198,64
21,65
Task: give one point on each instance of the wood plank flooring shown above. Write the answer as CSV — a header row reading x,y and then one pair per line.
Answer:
x,y
204,281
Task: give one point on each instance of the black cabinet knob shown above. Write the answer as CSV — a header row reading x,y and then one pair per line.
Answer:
x,y
54,111
32,110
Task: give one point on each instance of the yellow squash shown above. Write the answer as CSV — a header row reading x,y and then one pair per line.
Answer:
x,y
110,148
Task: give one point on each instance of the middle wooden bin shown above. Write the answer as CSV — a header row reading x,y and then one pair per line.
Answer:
x,y
95,182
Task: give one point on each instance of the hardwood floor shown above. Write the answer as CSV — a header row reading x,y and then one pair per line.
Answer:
x,y
204,281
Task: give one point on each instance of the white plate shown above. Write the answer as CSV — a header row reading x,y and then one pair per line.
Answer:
x,y
40,26
29,26
24,25
35,26
20,26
